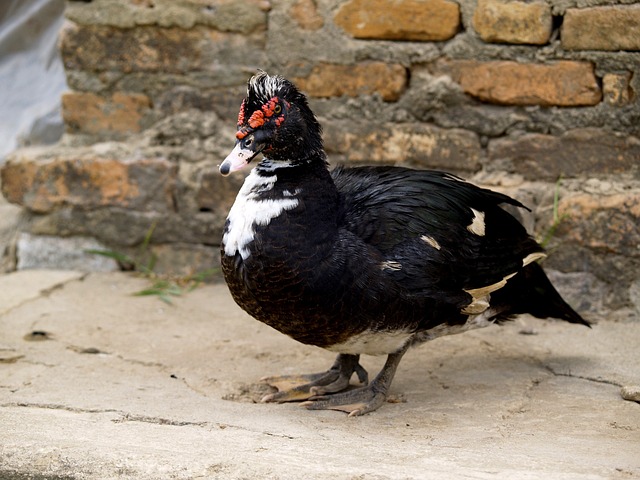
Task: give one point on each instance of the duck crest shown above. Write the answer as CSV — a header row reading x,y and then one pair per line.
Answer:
x,y
255,205
263,87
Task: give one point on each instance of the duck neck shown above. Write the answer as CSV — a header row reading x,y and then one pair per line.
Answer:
x,y
273,161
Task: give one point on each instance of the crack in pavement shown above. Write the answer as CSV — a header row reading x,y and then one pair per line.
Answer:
x,y
129,417
604,381
57,406
43,293
125,417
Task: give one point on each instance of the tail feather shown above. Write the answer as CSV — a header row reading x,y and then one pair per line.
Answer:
x,y
531,292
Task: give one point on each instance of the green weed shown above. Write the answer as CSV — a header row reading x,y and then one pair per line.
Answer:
x,y
144,262
557,218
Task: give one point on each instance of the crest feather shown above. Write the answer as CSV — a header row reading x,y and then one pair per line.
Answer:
x,y
263,87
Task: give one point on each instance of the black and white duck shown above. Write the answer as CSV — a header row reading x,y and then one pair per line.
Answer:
x,y
365,260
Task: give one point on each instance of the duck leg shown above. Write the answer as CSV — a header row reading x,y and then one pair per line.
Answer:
x,y
293,388
364,399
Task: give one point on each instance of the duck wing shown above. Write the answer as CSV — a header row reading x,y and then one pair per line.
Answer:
x,y
438,227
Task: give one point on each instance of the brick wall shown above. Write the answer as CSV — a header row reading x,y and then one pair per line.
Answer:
x,y
513,95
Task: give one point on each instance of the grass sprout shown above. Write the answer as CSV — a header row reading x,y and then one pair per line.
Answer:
x,y
144,262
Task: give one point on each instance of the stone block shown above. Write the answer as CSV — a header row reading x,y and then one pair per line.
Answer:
x,y
187,259
331,80
215,193
306,15
421,20
562,83
119,113
58,253
606,223
547,157
616,88
582,290
42,181
243,16
417,145
153,49
501,21
610,27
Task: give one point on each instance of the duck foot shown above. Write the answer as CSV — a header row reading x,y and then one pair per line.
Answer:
x,y
361,400
354,402
292,388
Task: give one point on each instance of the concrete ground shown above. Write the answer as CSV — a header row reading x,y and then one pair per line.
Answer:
x,y
98,384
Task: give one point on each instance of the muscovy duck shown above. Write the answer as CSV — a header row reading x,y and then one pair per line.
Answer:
x,y
365,260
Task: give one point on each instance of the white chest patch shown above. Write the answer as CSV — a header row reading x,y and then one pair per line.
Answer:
x,y
250,210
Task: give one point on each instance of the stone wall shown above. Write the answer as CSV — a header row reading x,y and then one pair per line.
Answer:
x,y
538,99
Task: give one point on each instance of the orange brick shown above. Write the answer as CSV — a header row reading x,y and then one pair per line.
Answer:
x,y
615,27
617,88
89,113
331,80
305,13
563,83
42,183
516,22
426,20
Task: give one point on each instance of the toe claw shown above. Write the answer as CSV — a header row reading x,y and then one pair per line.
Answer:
x,y
268,398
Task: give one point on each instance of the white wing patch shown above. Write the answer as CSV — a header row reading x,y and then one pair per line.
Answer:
x,y
532,257
480,296
249,211
431,241
477,225
390,265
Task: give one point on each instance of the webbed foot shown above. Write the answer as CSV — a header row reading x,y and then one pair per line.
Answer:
x,y
293,388
361,400
354,402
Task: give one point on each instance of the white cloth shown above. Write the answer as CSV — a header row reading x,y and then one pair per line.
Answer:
x,y
31,73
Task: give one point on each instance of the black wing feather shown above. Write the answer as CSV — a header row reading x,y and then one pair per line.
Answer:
x,y
391,208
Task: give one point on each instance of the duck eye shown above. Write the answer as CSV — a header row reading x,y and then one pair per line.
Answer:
x,y
277,109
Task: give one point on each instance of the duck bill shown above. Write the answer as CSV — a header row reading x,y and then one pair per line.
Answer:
x,y
238,159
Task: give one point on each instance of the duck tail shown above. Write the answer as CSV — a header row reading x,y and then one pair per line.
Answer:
x,y
532,292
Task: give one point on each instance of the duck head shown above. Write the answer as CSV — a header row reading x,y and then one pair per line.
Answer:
x,y
275,120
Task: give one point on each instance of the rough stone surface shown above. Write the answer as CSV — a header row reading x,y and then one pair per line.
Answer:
x,y
616,88
631,393
330,80
127,386
403,144
548,157
184,260
243,16
10,219
41,181
149,49
432,20
89,113
563,83
517,22
611,27
609,223
58,253
305,13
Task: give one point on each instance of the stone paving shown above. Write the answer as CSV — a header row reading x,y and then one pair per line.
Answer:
x,y
96,383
